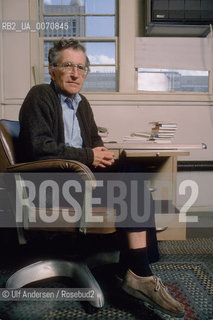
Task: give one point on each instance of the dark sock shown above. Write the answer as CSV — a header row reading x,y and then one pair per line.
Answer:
x,y
137,261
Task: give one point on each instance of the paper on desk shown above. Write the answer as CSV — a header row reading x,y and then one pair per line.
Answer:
x,y
109,140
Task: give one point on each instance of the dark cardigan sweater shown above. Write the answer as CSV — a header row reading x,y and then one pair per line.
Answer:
x,y
42,128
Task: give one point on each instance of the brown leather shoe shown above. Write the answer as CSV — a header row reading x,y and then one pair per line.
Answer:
x,y
152,290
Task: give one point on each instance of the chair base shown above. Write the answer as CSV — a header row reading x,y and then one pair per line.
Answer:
x,y
58,268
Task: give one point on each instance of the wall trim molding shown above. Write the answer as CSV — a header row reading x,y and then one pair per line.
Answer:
x,y
195,166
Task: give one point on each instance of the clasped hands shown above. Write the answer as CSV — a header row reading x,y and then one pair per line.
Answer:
x,y
102,157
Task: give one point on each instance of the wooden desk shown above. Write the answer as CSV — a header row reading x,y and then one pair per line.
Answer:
x,y
162,158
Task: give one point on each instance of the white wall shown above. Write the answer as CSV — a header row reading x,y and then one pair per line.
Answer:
x,y
198,202
195,124
1,62
15,51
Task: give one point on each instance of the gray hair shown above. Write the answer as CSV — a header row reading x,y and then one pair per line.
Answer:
x,y
62,45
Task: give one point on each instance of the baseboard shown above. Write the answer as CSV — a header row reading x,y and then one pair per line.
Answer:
x,y
198,208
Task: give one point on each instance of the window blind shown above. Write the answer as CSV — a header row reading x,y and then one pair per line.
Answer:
x,y
173,53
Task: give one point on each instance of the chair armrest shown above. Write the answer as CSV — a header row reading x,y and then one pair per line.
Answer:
x,y
62,165
53,165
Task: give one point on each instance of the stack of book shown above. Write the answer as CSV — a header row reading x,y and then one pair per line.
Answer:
x,y
163,131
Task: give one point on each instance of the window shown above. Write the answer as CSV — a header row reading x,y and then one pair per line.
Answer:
x,y
93,22
172,80
74,28
173,64
123,62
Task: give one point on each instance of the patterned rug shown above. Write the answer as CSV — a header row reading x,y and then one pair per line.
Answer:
x,y
191,246
191,284
185,267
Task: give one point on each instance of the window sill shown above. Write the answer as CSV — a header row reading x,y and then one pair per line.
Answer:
x,y
149,98
145,98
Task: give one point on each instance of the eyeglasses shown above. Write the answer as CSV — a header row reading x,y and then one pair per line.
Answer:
x,y
68,67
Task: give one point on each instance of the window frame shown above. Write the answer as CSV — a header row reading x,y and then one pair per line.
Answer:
x,y
113,39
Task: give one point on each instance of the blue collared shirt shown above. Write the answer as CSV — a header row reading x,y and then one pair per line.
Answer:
x,y
72,131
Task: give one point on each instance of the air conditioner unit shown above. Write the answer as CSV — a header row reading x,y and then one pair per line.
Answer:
x,y
178,17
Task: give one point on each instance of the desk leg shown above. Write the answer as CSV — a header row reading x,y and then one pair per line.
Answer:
x,y
164,181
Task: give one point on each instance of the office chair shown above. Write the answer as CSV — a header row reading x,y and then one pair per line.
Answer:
x,y
13,171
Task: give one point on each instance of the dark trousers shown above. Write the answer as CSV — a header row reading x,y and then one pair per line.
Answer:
x,y
128,173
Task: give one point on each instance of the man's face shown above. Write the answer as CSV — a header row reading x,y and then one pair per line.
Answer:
x,y
69,83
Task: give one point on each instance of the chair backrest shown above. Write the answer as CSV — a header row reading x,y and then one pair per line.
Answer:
x,y
9,132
